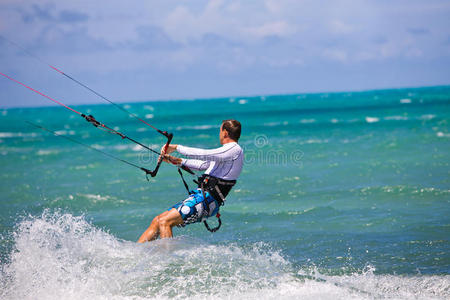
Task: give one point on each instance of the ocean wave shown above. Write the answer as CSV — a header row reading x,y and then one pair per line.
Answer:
x,y
95,198
8,134
196,127
47,152
396,118
402,190
121,147
314,141
84,167
368,285
17,134
97,146
442,134
138,148
275,124
60,256
307,121
372,119
427,117
127,147
301,212
9,150
65,132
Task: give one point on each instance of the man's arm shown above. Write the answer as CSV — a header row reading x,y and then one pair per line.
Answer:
x,y
194,164
227,152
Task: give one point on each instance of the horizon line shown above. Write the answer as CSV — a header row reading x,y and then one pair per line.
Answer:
x,y
213,98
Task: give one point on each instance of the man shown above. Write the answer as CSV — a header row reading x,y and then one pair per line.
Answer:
x,y
223,166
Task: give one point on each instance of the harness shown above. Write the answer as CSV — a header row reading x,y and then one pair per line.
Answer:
x,y
218,188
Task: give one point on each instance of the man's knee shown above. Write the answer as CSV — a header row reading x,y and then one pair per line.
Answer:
x,y
161,220
156,221
164,221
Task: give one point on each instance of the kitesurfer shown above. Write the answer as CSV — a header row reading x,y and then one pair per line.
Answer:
x,y
222,167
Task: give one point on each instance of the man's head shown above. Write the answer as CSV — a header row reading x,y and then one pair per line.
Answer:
x,y
230,131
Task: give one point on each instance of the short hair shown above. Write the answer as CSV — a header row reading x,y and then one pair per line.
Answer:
x,y
233,127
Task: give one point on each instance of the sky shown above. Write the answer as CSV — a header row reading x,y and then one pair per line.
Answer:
x,y
188,49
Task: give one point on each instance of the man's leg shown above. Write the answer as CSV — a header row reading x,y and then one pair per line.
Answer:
x,y
166,222
152,231
161,225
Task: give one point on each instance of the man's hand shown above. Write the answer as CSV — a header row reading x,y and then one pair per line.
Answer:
x,y
172,159
170,149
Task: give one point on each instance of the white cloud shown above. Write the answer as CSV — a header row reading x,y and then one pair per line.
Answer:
x,y
336,55
183,25
224,37
339,27
274,6
278,28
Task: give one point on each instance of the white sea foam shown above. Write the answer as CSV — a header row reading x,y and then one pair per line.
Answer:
x,y
65,132
196,127
61,256
272,124
396,118
95,198
427,117
372,119
121,147
17,134
405,101
149,107
7,134
137,148
149,116
307,121
314,141
47,152
97,146
442,134
243,101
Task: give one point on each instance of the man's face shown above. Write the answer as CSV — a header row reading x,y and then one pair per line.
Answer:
x,y
222,134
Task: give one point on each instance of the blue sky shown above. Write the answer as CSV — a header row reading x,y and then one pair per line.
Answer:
x,y
151,50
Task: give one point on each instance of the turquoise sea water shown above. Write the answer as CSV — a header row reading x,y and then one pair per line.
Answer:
x,y
343,196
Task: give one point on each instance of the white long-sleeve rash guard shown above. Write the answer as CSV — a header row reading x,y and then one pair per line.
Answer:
x,y
225,162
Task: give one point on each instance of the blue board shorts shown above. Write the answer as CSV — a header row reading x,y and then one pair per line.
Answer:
x,y
192,209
